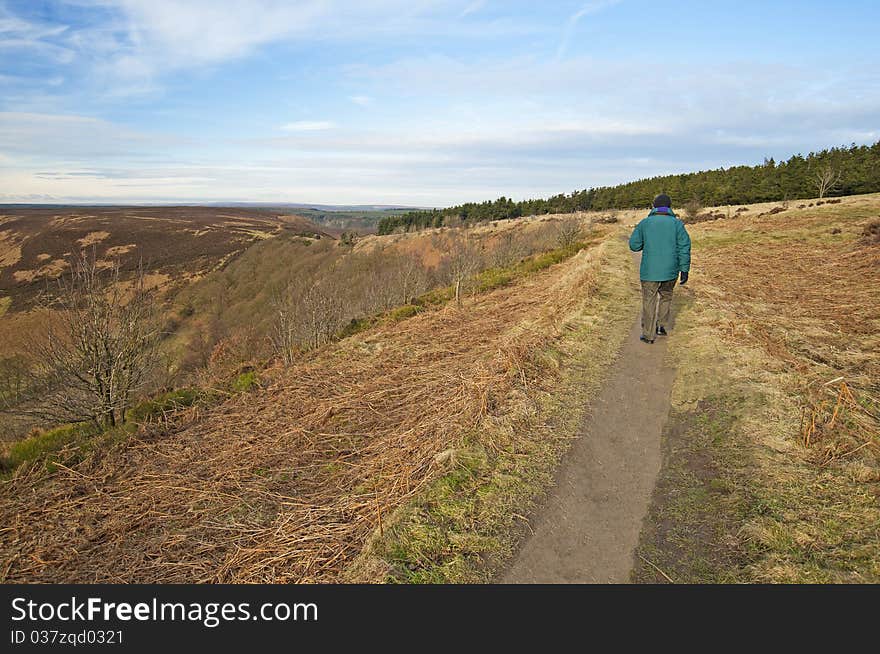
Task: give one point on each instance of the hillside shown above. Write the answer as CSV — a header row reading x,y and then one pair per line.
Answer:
x,y
415,448
364,220
287,483
174,244
174,247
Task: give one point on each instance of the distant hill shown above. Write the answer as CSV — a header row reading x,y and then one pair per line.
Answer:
x,y
345,208
173,243
240,205
363,218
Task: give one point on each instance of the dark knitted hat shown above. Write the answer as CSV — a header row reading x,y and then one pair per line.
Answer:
x,y
662,200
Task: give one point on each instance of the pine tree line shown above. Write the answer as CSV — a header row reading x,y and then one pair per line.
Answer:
x,y
845,171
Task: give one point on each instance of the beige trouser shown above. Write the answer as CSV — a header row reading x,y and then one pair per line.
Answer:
x,y
651,316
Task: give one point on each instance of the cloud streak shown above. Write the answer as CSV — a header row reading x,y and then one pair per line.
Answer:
x,y
308,126
473,8
593,7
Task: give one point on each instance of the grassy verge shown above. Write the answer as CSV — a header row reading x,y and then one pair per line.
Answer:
x,y
466,524
737,499
702,497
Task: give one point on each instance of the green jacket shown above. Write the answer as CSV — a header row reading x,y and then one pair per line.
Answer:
x,y
665,246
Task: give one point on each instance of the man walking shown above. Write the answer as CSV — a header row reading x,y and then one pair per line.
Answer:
x,y
666,251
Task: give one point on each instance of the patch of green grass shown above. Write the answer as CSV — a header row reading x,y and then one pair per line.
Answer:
x,y
245,382
43,444
153,408
356,326
431,542
404,312
494,278
437,296
547,259
5,303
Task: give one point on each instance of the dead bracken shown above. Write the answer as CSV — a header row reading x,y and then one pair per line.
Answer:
x,y
818,312
287,484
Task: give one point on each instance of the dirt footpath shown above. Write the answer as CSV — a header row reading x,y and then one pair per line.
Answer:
x,y
588,528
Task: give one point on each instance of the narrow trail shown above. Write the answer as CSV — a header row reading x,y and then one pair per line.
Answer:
x,y
588,527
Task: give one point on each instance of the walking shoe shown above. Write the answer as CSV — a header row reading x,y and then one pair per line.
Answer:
x,y
661,331
645,340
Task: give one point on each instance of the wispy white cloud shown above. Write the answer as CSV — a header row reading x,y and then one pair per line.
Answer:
x,y
15,28
308,126
122,49
150,37
568,31
361,100
473,8
42,136
17,34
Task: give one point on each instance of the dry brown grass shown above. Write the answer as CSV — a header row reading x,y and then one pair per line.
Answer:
x,y
50,270
92,238
10,250
814,305
781,337
287,484
871,233
117,251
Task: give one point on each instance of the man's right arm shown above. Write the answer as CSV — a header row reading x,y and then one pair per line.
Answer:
x,y
636,240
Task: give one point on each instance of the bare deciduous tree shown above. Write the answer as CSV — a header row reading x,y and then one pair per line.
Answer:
x,y
97,349
544,236
410,276
462,260
568,231
315,306
381,291
13,380
693,208
827,180
284,335
309,313
509,248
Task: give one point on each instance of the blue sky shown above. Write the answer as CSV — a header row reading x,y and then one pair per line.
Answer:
x,y
421,103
